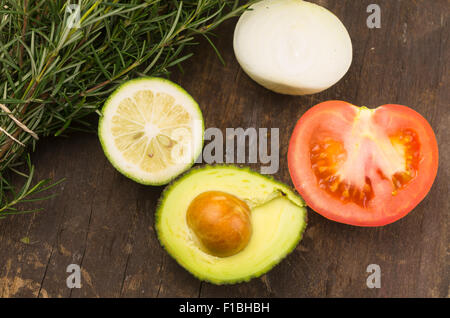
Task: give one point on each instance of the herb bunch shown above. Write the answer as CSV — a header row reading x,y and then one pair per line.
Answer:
x,y
59,60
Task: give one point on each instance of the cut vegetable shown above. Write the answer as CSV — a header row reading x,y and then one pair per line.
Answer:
x,y
227,225
360,166
292,46
151,130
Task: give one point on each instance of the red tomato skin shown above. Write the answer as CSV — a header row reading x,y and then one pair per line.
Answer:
x,y
382,213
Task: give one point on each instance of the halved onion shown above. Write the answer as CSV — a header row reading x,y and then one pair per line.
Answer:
x,y
292,46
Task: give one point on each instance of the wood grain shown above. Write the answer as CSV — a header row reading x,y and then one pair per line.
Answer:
x,y
105,222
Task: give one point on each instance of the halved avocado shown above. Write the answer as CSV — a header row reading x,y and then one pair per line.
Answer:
x,y
277,217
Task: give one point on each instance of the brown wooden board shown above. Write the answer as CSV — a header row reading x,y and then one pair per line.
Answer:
x,y
105,222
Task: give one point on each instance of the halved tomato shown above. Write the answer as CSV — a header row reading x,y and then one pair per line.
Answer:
x,y
360,166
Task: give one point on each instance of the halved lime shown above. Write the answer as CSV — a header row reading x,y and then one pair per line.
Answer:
x,y
151,130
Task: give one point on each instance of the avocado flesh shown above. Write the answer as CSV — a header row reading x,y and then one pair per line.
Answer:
x,y
278,219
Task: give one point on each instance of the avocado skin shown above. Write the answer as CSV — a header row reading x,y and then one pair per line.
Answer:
x,y
197,169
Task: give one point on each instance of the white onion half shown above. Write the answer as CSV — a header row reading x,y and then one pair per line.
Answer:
x,y
292,46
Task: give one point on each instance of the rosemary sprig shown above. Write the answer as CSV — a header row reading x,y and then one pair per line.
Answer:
x,y
25,193
57,69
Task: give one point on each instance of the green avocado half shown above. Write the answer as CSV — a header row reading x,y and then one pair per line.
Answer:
x,y
278,218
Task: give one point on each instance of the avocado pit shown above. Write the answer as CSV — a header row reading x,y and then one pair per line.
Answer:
x,y
221,222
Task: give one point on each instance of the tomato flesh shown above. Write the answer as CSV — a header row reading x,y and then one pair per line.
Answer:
x,y
326,158
360,166
409,139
